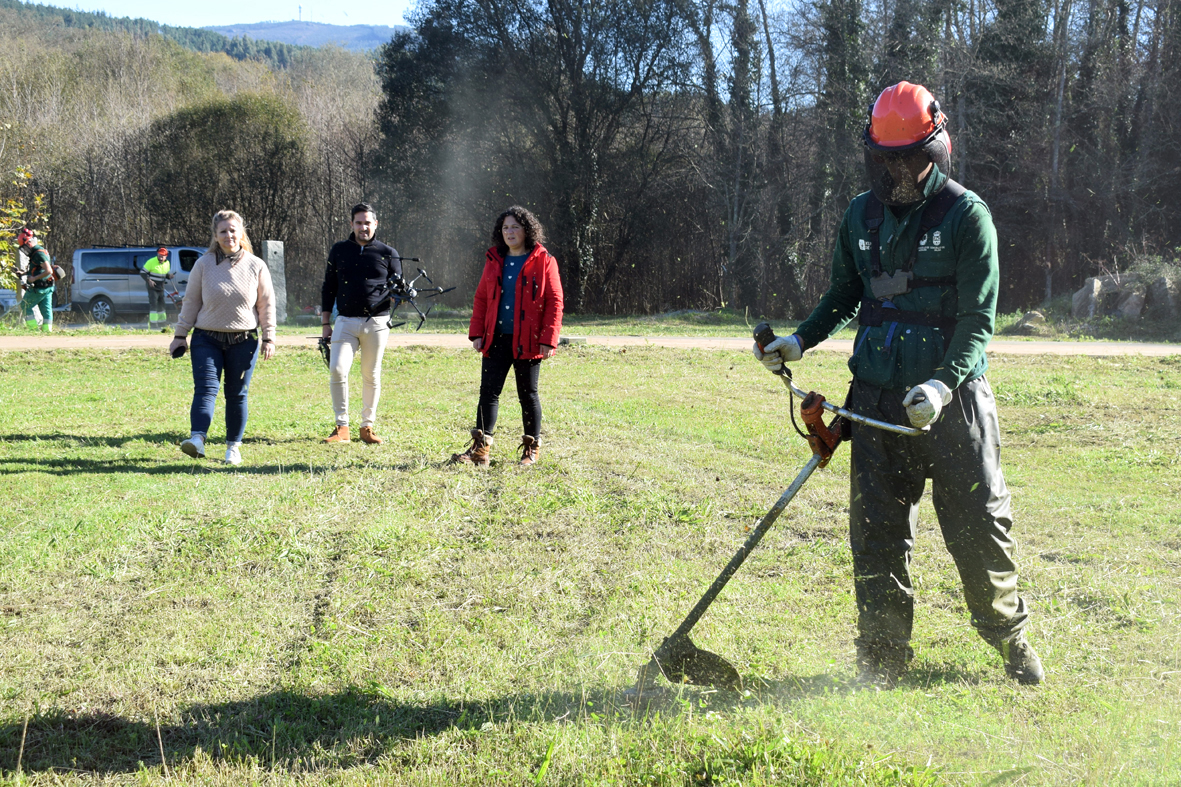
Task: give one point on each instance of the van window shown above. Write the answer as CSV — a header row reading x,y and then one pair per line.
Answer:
x,y
108,263
188,258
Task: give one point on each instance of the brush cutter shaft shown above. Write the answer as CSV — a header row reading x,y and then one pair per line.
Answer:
x,y
740,556
852,416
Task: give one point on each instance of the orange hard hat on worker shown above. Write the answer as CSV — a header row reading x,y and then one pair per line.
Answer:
x,y
903,116
905,133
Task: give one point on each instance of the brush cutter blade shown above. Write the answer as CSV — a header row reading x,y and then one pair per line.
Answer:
x,y
709,669
680,661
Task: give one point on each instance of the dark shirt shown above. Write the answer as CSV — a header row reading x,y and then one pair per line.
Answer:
x,y
356,276
508,293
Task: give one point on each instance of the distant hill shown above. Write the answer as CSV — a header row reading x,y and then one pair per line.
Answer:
x,y
277,54
358,38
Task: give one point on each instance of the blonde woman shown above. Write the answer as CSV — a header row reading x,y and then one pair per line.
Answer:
x,y
229,302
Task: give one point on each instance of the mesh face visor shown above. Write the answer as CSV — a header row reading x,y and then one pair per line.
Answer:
x,y
894,175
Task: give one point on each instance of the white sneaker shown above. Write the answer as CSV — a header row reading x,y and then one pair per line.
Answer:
x,y
233,455
194,446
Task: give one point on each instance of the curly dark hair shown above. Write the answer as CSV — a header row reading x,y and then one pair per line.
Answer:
x,y
534,233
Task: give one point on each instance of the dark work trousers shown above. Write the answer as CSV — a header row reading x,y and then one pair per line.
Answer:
x,y
155,295
961,456
493,372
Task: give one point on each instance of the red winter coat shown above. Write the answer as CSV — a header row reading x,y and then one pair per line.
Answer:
x,y
539,303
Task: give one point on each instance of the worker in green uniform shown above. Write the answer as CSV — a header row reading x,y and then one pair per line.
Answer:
x,y
155,272
916,262
38,281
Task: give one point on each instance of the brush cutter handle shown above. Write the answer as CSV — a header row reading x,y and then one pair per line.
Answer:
x,y
764,335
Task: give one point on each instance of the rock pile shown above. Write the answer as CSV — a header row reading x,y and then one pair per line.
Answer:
x,y
1125,296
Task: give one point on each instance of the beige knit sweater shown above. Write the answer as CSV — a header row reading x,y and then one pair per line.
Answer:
x,y
228,296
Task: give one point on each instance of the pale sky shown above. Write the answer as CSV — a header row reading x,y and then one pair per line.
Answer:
x,y
233,12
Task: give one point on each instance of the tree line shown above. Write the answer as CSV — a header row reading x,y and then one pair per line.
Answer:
x,y
681,153
701,152
134,139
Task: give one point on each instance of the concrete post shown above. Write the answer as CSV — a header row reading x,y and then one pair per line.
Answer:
x,y
272,255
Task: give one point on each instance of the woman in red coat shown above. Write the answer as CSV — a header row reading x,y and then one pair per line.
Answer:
x,y
516,319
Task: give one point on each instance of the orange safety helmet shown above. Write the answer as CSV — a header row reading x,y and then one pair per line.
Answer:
x,y
905,132
25,236
161,252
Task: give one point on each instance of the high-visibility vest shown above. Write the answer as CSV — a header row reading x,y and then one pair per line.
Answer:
x,y
157,268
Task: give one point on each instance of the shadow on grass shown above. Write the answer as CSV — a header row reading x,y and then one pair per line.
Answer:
x,y
286,729
211,464
280,730
93,440
119,441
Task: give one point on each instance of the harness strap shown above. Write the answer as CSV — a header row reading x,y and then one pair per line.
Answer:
x,y
874,215
933,215
874,314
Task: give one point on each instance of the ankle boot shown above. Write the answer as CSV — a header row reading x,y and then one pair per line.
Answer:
x,y
339,435
529,448
477,452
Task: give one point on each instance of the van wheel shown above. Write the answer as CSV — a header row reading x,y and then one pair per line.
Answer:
x,y
101,309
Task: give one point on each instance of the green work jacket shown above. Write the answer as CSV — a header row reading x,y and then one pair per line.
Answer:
x,y
39,262
902,355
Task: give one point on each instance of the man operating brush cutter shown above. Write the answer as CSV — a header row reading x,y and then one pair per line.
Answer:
x,y
916,263
678,659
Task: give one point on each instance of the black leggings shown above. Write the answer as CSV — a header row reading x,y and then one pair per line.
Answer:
x,y
493,372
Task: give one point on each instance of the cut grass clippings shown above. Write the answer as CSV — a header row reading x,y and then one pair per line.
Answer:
x,y
353,614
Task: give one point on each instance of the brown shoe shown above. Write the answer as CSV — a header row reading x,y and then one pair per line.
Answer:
x,y
367,436
477,452
339,435
529,449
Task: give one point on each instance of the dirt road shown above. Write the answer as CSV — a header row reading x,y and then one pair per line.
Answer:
x,y
78,340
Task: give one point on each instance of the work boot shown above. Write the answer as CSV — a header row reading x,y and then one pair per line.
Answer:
x,y
882,666
339,435
477,452
529,449
1021,663
367,436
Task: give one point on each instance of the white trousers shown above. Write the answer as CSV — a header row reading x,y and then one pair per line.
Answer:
x,y
369,334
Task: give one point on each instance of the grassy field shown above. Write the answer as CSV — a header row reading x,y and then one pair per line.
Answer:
x,y
347,615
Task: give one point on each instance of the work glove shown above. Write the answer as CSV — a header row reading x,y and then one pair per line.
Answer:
x,y
924,402
785,349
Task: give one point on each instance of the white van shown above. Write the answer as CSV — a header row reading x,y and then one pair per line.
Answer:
x,y
106,281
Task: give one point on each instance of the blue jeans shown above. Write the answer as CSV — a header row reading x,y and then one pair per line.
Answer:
x,y
211,356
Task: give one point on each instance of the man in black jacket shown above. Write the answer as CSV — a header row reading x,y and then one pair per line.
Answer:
x,y
356,282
